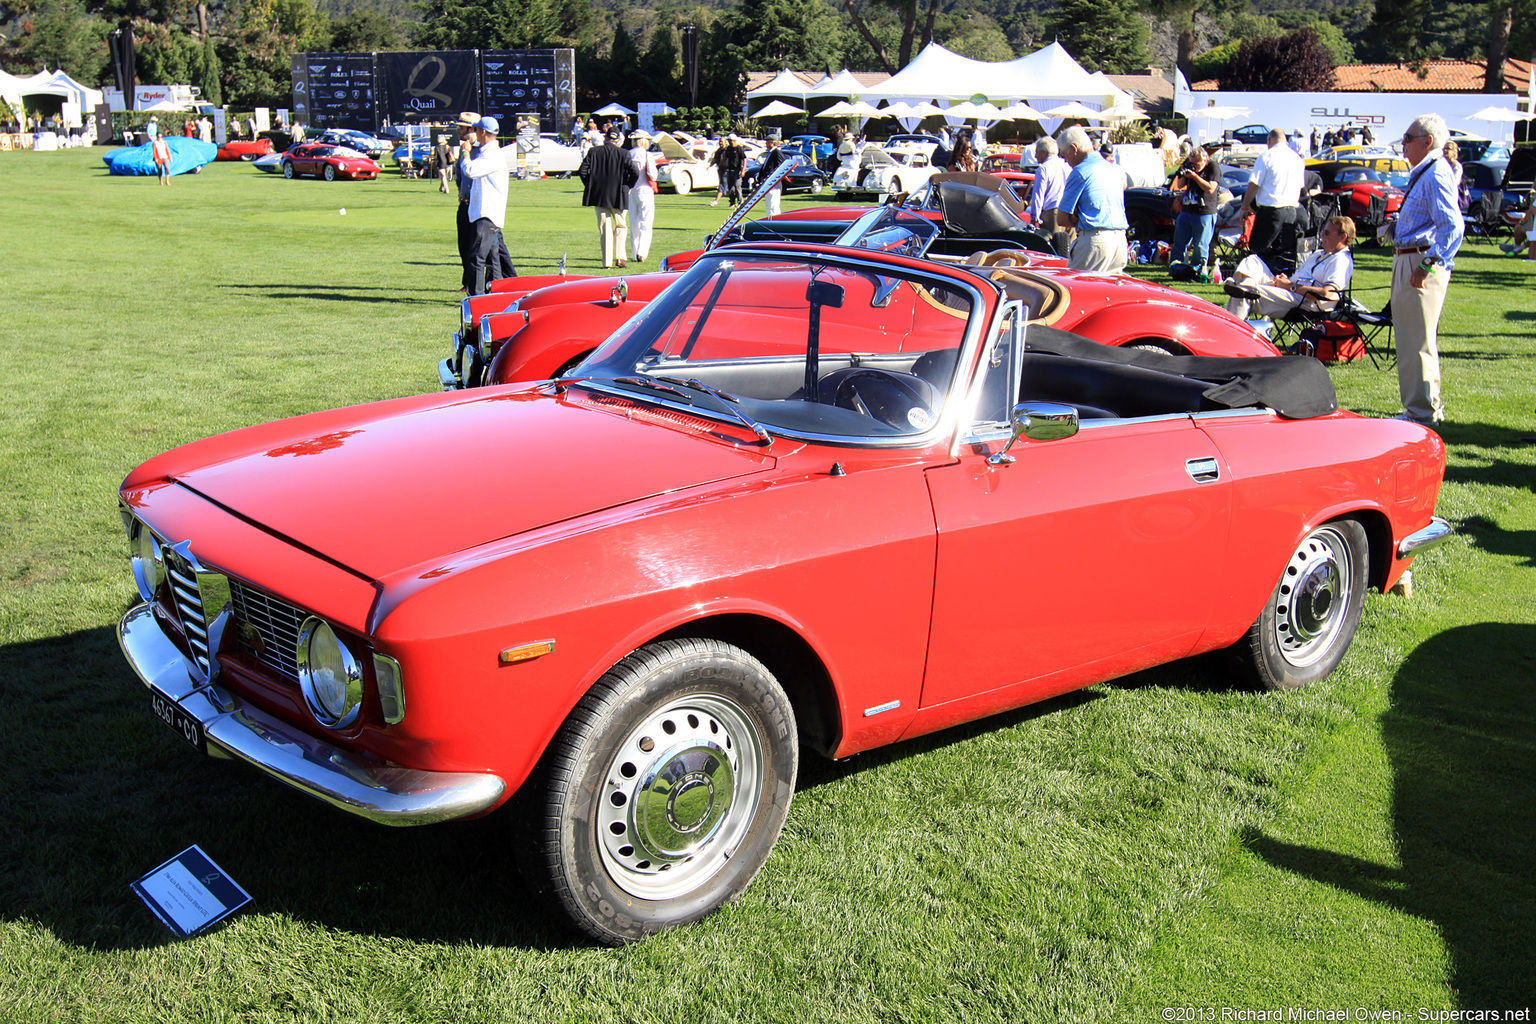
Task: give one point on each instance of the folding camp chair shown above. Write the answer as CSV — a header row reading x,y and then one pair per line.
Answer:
x,y
1371,326
1484,218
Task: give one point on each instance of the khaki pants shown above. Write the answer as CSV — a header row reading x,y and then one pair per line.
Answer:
x,y
1415,330
1099,250
612,233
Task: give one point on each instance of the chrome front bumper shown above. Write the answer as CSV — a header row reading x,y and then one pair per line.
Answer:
x,y
447,376
1437,532
233,729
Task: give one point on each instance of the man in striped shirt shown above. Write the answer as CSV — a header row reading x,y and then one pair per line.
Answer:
x,y
1428,234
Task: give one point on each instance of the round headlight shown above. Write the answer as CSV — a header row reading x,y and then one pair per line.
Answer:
x,y
148,563
329,676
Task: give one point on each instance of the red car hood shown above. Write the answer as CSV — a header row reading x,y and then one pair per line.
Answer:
x,y
383,487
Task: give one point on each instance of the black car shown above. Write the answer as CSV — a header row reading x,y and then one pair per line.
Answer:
x,y
804,178
1251,134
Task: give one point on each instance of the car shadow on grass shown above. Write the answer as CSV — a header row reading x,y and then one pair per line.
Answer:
x,y
98,791
1462,760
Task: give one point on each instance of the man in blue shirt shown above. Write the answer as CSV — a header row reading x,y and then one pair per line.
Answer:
x,y
1045,195
1093,202
1428,235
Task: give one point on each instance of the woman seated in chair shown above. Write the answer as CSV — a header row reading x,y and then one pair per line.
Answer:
x,y
1319,282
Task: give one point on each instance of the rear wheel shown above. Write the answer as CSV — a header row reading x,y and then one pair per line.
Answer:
x,y
665,789
1311,617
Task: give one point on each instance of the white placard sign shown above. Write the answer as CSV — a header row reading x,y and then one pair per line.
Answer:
x,y
189,892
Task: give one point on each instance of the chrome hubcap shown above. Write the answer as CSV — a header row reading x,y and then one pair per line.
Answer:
x,y
678,796
1310,602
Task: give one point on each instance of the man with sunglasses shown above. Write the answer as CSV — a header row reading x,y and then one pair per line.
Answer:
x,y
1427,236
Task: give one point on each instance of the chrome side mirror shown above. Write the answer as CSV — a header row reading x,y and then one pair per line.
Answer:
x,y
1037,421
620,293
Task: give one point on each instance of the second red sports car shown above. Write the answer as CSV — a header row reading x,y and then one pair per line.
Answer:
x,y
328,162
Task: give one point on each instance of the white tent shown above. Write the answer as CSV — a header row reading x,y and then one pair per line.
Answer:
x,y
14,89
614,110
841,84
1049,73
785,83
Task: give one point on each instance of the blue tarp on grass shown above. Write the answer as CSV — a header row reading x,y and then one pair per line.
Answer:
x,y
186,155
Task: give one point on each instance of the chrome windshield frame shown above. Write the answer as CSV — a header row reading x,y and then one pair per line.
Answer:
x,y
956,401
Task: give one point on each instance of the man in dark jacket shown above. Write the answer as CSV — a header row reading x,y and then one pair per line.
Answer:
x,y
607,172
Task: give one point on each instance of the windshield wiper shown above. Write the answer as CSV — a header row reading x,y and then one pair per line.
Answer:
x,y
728,403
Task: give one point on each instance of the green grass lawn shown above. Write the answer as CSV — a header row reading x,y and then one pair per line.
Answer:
x,y
1170,839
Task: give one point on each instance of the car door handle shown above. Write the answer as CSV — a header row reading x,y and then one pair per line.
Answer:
x,y
1202,471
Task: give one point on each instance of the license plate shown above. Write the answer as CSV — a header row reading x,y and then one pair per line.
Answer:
x,y
169,712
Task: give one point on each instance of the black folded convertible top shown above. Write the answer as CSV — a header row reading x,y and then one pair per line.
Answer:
x,y
1296,387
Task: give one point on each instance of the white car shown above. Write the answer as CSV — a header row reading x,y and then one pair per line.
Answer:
x,y
900,168
555,157
684,170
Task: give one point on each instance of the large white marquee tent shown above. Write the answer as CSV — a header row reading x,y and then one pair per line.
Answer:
x,y
1047,77
14,90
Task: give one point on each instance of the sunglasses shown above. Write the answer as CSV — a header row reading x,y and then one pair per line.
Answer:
x,y
1409,137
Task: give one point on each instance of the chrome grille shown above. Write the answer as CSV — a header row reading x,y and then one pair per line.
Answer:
x,y
268,629
188,603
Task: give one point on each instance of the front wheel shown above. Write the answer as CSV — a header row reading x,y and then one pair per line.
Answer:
x,y
665,789
817,185
1311,617
287,169
683,183
330,173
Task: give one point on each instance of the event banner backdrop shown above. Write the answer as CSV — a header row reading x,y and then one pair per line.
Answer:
x,y
334,90
541,82
365,90
429,86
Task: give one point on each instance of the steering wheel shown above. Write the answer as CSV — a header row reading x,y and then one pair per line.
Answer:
x,y
904,401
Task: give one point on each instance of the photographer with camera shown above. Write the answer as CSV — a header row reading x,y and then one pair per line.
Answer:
x,y
1197,184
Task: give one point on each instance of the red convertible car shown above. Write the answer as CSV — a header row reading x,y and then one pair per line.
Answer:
x,y
794,503
1358,187
328,162
534,328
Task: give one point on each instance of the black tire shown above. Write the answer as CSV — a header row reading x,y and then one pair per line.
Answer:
x,y
287,169
1141,227
1151,345
664,790
329,173
1309,620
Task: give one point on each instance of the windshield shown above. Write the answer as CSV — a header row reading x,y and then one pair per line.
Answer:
x,y
805,345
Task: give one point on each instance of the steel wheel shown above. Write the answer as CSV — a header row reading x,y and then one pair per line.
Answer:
x,y
682,181
664,791
330,173
817,185
1311,616
682,789
287,169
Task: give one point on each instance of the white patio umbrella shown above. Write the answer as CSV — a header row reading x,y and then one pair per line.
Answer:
x,y
1500,115
1020,111
909,114
858,109
1214,114
778,108
1077,110
965,111
1122,113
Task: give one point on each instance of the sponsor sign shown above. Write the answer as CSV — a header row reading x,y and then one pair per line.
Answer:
x,y
428,86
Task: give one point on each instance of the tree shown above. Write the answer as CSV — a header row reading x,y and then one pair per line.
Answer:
x,y
365,31
771,34
1298,62
659,78
1107,35
486,24
58,34
1182,14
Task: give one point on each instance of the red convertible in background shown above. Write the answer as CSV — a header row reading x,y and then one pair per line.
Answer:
x,y
328,162
244,149
535,328
805,498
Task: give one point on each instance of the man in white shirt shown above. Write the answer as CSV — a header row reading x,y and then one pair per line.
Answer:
x,y
1050,180
1274,196
486,168
1316,286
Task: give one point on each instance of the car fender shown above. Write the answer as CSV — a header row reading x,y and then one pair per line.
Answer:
x,y
1128,322
602,585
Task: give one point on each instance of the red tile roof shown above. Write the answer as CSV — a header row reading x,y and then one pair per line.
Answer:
x,y
1437,76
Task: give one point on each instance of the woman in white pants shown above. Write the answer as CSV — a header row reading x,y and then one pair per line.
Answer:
x,y
642,195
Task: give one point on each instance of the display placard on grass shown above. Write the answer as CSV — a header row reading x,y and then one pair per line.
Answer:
x,y
190,893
